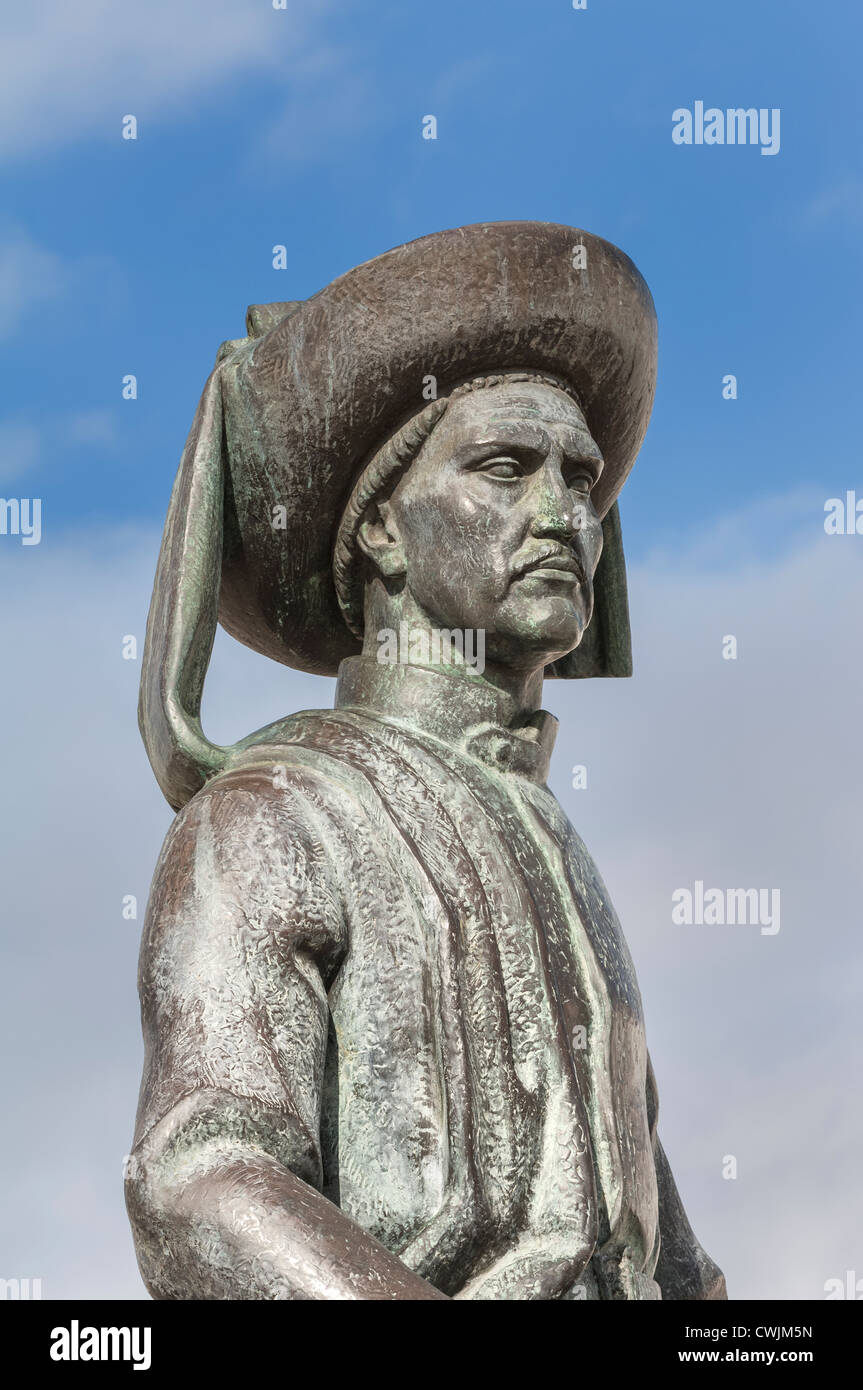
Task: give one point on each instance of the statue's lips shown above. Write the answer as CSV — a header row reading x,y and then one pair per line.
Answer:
x,y
562,567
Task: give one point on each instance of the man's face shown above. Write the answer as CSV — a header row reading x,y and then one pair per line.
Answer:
x,y
496,522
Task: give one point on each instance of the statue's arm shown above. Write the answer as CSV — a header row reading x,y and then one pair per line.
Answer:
x,y
244,933
683,1270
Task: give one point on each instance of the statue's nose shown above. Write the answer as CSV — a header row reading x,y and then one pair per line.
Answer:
x,y
557,512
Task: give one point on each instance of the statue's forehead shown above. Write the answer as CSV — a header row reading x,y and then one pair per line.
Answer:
x,y
531,402
509,408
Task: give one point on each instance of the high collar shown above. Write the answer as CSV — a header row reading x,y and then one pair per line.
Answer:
x,y
460,711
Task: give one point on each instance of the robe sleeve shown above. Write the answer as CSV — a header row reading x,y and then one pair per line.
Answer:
x,y
245,932
683,1269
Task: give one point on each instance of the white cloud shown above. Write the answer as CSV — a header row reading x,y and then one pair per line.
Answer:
x,y
70,71
738,773
90,427
331,106
29,275
765,527
20,445
465,77
843,200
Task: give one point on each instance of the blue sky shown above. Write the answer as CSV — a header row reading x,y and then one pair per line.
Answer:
x,y
311,137
303,127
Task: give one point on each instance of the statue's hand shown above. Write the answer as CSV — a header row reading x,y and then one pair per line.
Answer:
x,y
523,1275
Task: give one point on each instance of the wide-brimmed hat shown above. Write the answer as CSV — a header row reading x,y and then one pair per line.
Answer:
x,y
292,412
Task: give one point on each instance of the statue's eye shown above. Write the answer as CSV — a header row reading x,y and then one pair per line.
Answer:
x,y
580,483
505,468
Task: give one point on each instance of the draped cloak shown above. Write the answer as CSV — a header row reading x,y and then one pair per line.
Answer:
x,y
418,998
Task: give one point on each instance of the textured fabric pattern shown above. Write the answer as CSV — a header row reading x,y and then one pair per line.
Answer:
x,y
422,1005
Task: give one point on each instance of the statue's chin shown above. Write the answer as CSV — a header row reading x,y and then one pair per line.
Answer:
x,y
539,648
549,626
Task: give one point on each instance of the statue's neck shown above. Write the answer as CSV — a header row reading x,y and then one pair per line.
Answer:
x,y
400,633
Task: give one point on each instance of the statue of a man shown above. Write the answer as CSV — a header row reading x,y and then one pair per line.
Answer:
x,y
394,1040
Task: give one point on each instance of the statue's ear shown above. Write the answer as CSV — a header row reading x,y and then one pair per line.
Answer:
x,y
606,647
379,540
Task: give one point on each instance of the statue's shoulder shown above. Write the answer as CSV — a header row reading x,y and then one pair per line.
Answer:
x,y
263,840
310,741
277,797
294,763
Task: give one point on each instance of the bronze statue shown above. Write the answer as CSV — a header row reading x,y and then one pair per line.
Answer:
x,y
394,1040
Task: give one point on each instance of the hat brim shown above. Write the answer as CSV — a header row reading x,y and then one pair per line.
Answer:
x,y
308,401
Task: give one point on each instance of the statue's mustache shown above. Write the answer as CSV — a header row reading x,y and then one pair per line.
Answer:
x,y
550,556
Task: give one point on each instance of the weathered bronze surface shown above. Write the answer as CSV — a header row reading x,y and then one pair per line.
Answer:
x,y
394,1040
